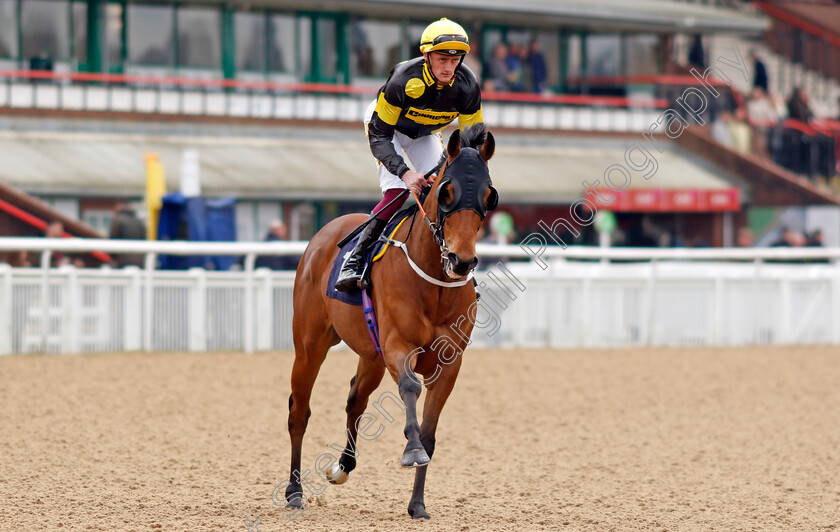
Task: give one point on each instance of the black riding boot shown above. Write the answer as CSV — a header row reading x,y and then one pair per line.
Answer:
x,y
351,272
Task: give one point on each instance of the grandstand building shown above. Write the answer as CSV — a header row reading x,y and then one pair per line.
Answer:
x,y
270,94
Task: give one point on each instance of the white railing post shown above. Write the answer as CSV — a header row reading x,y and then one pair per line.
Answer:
x,y
835,305
586,309
718,317
148,301
754,301
71,312
650,305
785,316
132,305
5,309
46,257
265,309
248,315
198,310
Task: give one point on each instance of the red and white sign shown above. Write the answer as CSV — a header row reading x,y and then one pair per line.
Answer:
x,y
669,200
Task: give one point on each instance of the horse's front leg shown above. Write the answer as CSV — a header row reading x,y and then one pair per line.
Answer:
x,y
401,367
437,393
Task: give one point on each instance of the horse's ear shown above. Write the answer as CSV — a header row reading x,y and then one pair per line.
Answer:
x,y
454,146
488,148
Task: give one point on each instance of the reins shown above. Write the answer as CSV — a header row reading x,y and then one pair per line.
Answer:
x,y
437,231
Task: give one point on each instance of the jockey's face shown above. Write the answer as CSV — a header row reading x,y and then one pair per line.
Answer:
x,y
443,66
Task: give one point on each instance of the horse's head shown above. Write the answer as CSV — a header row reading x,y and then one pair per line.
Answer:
x,y
462,197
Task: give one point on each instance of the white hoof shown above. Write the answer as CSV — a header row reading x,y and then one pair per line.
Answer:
x,y
336,475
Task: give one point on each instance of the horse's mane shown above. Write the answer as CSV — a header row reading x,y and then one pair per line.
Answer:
x,y
473,136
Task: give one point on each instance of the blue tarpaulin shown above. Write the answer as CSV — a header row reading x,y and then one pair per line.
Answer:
x,y
197,220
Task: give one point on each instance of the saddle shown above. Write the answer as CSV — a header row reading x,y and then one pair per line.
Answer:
x,y
374,253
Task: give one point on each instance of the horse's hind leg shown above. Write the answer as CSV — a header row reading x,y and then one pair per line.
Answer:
x,y
368,376
309,355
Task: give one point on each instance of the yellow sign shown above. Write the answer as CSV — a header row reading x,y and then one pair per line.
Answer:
x,y
155,190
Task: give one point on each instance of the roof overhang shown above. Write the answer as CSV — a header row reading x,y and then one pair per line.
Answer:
x,y
599,15
316,166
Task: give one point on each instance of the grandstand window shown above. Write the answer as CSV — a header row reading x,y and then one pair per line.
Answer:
x,y
281,43
574,54
8,29
415,30
375,46
327,49
641,53
79,30
304,47
150,30
45,29
550,47
250,41
199,37
603,53
115,37
490,38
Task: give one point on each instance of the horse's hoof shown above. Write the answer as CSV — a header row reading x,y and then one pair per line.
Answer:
x,y
295,501
337,475
415,458
418,511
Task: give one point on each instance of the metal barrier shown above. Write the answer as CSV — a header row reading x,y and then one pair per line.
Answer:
x,y
585,297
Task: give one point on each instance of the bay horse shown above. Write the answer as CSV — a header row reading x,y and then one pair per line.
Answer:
x,y
412,312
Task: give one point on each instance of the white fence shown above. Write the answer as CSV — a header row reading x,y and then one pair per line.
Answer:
x,y
673,297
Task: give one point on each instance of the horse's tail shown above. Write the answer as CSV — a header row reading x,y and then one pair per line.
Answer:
x,y
473,136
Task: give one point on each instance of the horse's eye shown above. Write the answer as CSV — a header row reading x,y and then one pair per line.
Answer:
x,y
446,195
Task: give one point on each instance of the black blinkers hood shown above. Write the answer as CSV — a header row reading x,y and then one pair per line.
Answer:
x,y
470,178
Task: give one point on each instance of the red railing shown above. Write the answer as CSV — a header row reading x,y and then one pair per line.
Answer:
x,y
38,223
802,41
797,22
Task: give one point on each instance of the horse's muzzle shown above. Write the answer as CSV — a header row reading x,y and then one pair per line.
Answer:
x,y
460,266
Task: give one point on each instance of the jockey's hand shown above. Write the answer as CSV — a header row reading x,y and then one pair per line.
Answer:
x,y
416,181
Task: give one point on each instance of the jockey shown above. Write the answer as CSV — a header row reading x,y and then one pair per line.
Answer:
x,y
420,98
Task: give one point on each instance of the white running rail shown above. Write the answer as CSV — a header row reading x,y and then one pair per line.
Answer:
x,y
583,298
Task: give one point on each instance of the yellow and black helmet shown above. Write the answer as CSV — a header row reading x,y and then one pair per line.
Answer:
x,y
446,37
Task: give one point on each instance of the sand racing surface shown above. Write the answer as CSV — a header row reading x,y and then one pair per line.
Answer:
x,y
641,439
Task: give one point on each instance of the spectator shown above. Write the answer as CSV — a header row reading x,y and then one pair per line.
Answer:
x,y
696,53
514,66
277,232
789,238
744,238
539,71
760,80
760,109
762,116
16,259
720,129
739,131
127,226
815,238
527,72
797,105
497,70
56,230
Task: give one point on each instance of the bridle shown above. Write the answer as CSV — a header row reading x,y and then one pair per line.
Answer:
x,y
470,199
